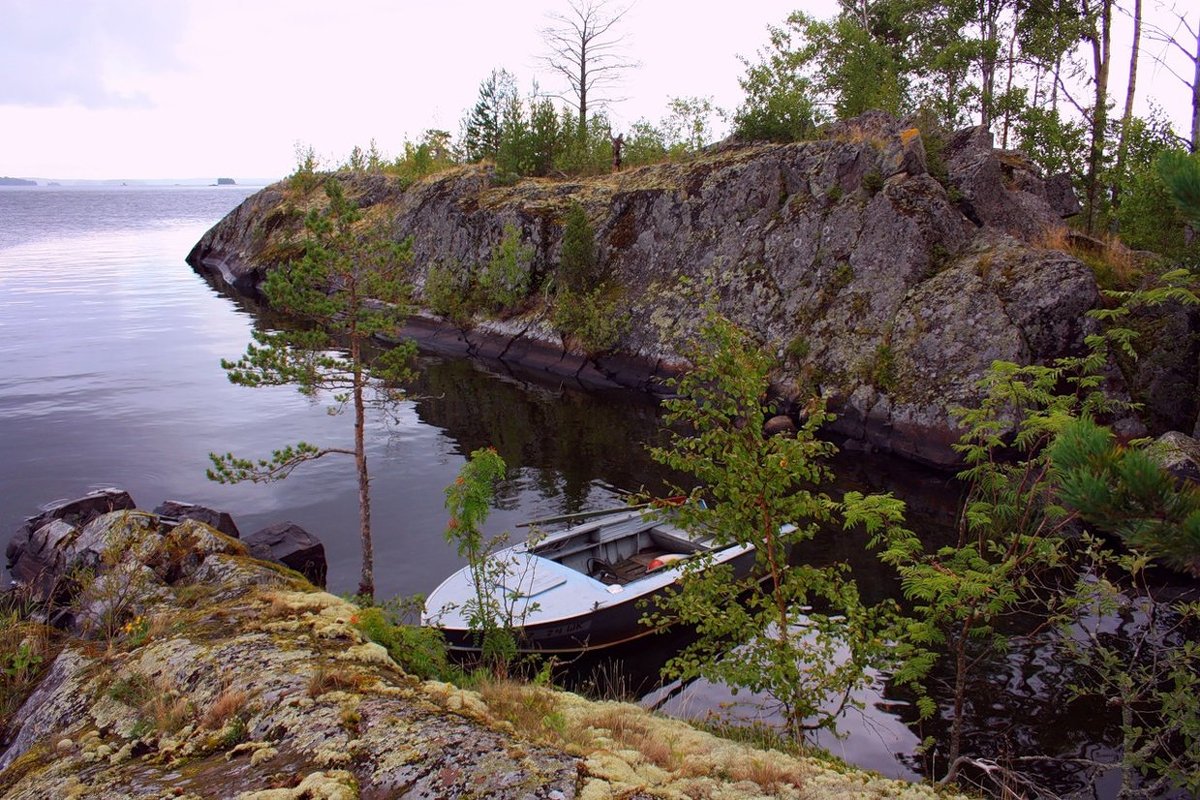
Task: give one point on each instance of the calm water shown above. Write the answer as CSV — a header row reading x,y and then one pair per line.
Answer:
x,y
110,347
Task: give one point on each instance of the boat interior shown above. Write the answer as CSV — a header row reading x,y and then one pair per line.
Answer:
x,y
619,553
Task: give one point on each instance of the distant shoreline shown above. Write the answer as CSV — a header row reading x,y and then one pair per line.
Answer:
x,y
117,183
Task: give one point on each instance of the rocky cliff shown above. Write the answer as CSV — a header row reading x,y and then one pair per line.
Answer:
x,y
193,670
884,277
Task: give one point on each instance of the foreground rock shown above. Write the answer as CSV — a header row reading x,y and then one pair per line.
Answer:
x,y
289,544
883,286
236,679
69,540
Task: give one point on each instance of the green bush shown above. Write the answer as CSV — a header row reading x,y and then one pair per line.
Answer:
x,y
448,291
419,651
592,319
872,182
505,282
578,266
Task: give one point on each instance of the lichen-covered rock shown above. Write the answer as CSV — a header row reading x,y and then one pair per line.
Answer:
x,y
884,288
35,551
260,687
1179,454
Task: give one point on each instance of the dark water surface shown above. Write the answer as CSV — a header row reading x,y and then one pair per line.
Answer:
x,y
109,375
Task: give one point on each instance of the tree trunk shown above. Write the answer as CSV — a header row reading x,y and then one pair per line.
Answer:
x,y
1196,96
987,63
366,583
1127,116
583,91
1012,52
960,698
1101,47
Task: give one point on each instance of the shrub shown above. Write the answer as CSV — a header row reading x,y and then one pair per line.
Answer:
x,y
578,267
504,283
419,651
797,349
432,154
448,292
26,651
872,182
592,319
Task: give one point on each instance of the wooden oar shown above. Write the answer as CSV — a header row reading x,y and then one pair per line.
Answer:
x,y
581,515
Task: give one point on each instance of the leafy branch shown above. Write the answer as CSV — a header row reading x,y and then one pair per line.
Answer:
x,y
228,468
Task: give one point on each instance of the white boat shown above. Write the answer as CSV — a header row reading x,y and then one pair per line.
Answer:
x,y
581,588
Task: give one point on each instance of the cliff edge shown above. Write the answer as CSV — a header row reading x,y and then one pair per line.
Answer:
x,y
884,276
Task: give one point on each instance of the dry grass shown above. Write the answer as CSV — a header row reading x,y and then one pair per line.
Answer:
x,y
278,607
169,714
26,652
632,731
534,714
768,773
227,704
1114,265
325,679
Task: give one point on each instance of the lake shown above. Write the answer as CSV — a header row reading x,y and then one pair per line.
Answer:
x,y
111,349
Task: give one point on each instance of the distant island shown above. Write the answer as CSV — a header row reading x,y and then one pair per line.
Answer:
x,y
226,182
21,182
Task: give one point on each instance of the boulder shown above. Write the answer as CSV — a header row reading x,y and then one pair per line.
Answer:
x,y
1001,189
289,544
77,512
221,520
37,552
780,424
1179,454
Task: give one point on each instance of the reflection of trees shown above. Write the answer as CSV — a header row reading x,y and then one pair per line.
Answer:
x,y
565,441
571,438
1023,715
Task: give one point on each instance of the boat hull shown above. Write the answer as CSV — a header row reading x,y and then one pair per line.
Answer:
x,y
595,629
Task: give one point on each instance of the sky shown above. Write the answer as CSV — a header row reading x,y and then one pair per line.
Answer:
x,y
199,89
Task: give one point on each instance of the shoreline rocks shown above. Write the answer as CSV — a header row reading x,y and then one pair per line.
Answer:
x,y
48,553
227,677
884,287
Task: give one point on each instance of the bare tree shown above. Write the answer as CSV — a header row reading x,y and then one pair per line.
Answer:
x,y
1183,38
583,48
1127,115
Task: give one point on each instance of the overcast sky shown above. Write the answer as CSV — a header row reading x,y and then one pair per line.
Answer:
x,y
207,88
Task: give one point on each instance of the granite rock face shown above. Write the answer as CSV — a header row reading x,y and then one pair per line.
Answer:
x,y
884,287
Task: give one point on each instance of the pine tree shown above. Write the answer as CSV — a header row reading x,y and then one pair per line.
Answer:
x,y
1181,173
481,128
347,288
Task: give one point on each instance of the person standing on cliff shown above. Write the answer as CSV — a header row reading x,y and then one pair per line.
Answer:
x,y
617,142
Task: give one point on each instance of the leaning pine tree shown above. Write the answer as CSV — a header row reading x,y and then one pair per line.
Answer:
x,y
345,289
